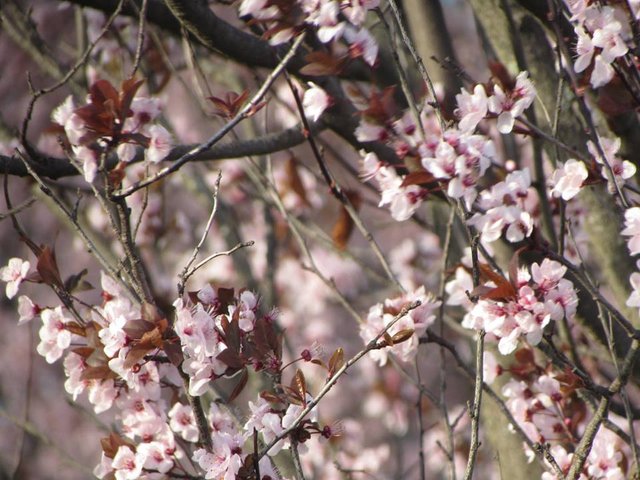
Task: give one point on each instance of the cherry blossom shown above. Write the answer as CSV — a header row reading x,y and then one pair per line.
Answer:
x,y
54,336
416,321
541,296
159,145
127,464
622,169
315,101
632,229
183,422
26,309
567,180
511,104
506,205
472,108
14,273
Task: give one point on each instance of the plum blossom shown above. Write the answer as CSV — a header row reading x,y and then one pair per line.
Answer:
x,y
506,207
159,144
370,165
417,321
26,309
127,464
600,42
14,273
315,101
632,229
362,45
225,459
183,422
403,200
471,108
622,169
54,336
540,297
511,104
459,158
568,179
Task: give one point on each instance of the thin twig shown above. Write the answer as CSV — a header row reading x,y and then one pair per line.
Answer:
x,y
245,112
184,276
140,45
416,58
474,412
372,345
431,337
17,209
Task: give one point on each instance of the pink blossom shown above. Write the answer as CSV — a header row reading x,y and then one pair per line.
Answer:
x,y
183,422
14,273
584,49
510,105
632,229
567,180
370,132
369,166
54,337
26,309
224,461
127,465
472,108
89,159
154,456
159,144
403,201
315,102
622,169
417,321
362,45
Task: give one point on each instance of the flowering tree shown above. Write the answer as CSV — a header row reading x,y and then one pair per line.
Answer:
x,y
285,246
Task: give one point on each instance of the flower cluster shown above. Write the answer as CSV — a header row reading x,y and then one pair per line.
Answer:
x,y
524,305
404,335
112,120
284,20
601,33
461,160
508,101
546,406
507,205
620,169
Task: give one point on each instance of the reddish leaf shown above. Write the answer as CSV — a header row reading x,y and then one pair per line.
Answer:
x,y
112,443
135,354
48,268
343,227
228,106
151,339
84,352
322,63
293,180
129,88
135,329
524,356
244,377
503,291
381,106
501,74
75,283
75,328
231,359
421,177
97,373
173,350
